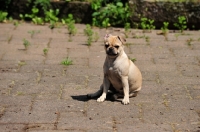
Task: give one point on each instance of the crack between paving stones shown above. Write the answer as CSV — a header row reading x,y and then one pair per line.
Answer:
x,y
61,92
56,122
114,122
188,93
39,76
48,44
32,103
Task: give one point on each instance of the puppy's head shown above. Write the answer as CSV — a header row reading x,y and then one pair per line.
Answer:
x,y
113,45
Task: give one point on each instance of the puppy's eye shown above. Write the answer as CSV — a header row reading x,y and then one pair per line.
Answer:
x,y
106,46
117,46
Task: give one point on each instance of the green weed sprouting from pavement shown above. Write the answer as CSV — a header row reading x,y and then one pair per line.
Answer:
x,y
147,24
67,62
147,38
9,38
133,59
26,43
181,24
189,41
177,35
16,24
70,26
45,51
89,33
3,16
165,29
20,93
127,28
51,16
67,20
33,32
96,36
21,63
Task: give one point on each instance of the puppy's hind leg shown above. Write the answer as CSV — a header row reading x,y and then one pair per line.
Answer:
x,y
96,94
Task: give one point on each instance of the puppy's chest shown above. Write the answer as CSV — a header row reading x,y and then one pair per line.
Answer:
x,y
113,72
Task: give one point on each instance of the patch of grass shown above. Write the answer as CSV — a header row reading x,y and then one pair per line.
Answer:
x,y
67,62
147,38
89,33
133,59
45,51
20,93
189,41
96,36
181,24
26,43
127,28
9,38
165,29
32,32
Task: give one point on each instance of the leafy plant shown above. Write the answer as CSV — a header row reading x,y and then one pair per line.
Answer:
x,y
32,32
96,36
147,24
3,16
111,15
133,59
45,51
189,41
127,28
35,19
51,16
72,29
165,29
26,43
44,4
181,24
67,20
89,33
67,62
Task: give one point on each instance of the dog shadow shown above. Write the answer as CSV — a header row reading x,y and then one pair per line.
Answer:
x,y
85,98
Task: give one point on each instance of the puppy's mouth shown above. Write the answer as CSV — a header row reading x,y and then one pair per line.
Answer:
x,y
112,54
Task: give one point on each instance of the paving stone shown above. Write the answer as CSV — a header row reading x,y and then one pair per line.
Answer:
x,y
42,95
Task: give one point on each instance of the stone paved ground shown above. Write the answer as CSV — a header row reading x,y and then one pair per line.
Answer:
x,y
38,94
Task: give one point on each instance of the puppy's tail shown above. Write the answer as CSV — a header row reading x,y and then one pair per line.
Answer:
x,y
96,94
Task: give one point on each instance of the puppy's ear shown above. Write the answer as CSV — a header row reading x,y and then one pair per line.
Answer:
x,y
107,36
122,39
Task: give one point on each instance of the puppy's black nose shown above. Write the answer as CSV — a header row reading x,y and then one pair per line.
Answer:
x,y
111,49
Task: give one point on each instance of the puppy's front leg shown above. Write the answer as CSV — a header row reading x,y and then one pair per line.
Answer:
x,y
125,84
106,85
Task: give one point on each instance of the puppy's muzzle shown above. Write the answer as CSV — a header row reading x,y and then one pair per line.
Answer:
x,y
111,51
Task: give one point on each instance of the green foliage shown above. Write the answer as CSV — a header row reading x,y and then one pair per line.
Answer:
x,y
33,32
112,14
165,27
68,20
127,29
3,16
89,33
71,28
51,16
67,62
181,24
45,51
26,43
35,19
147,23
44,4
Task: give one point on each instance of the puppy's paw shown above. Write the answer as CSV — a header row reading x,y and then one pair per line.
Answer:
x,y
101,99
125,101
